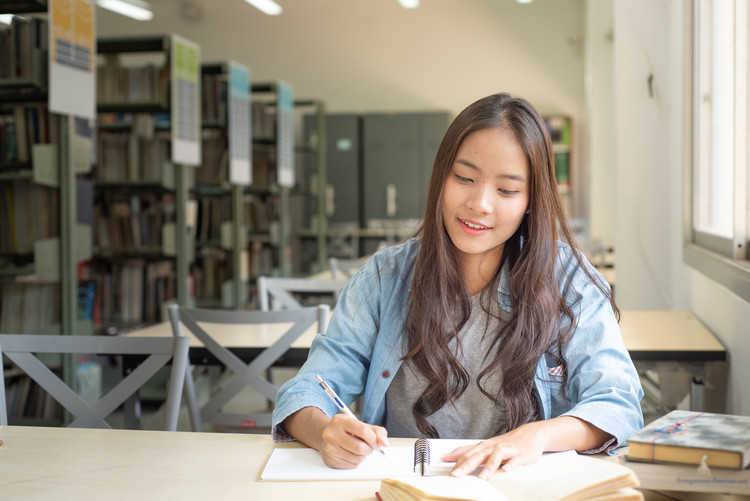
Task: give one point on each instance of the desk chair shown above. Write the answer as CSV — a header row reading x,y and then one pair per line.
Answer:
x,y
276,293
343,269
252,373
21,350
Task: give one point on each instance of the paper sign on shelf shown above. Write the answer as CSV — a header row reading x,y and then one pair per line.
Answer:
x,y
72,57
240,128
186,120
285,136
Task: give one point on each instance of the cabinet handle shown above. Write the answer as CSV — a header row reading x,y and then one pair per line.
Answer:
x,y
390,200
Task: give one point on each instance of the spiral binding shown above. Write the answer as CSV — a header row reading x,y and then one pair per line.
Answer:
x,y
421,455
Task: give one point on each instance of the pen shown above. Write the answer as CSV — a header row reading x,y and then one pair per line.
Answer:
x,y
336,400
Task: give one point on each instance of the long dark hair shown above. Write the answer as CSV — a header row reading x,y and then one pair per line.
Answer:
x,y
541,321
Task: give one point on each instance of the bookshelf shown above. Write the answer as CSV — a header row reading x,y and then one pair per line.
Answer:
x,y
143,220
560,127
220,273
308,200
266,201
43,233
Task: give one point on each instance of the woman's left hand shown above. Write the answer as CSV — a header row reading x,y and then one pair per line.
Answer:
x,y
524,445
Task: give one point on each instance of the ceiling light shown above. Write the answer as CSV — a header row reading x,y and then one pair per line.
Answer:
x,y
266,6
135,9
524,1
409,4
6,18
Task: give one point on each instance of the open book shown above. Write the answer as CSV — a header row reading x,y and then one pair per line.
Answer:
x,y
555,477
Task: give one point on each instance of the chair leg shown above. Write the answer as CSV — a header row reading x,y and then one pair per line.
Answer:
x,y
192,401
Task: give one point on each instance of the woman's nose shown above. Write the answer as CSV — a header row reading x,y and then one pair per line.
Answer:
x,y
480,199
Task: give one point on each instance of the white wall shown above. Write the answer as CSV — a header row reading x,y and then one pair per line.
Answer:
x,y
373,55
601,121
650,177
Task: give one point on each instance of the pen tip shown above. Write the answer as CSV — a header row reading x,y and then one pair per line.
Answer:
x,y
320,379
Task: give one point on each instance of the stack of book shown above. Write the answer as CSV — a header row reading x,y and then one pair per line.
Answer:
x,y
693,452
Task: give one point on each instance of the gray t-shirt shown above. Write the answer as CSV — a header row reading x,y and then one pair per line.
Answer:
x,y
473,414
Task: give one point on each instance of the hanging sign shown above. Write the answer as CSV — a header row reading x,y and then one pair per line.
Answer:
x,y
285,135
72,56
240,133
186,122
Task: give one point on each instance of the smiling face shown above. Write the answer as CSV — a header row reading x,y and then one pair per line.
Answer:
x,y
485,198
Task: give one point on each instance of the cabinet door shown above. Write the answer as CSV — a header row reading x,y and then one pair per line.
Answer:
x,y
343,172
392,166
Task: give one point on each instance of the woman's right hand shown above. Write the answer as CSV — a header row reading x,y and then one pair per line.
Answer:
x,y
346,442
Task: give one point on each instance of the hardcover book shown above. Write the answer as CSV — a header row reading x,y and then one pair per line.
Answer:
x,y
690,478
716,440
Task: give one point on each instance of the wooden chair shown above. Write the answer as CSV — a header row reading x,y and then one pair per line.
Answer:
x,y
246,328
22,349
277,293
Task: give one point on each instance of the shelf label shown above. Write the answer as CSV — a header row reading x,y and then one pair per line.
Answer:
x,y
186,121
285,135
240,133
72,57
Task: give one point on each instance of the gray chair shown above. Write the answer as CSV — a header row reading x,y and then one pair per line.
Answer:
x,y
251,373
277,293
22,349
343,269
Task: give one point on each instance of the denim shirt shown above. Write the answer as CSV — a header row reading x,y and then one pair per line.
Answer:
x,y
362,350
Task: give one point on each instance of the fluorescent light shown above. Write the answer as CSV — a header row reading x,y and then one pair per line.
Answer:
x,y
409,4
266,6
524,1
135,9
6,18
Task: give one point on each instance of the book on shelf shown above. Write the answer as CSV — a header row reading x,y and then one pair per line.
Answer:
x,y
716,440
690,478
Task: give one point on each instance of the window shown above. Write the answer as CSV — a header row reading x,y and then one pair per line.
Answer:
x,y
719,211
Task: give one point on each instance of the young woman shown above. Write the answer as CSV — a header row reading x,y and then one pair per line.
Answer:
x,y
483,325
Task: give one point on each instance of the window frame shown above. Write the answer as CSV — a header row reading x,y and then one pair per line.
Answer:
x,y
724,260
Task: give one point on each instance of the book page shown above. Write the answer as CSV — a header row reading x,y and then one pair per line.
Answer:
x,y
567,476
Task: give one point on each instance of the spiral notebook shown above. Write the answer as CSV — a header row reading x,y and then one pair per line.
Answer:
x,y
423,458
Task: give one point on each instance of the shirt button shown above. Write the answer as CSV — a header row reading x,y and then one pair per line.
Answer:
x,y
386,374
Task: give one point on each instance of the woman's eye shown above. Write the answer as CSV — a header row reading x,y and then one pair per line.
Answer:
x,y
463,179
507,192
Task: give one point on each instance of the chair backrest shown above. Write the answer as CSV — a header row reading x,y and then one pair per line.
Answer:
x,y
343,269
22,349
277,293
251,371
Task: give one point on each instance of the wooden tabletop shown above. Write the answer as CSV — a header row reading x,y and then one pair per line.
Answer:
x,y
93,464
669,335
648,335
82,464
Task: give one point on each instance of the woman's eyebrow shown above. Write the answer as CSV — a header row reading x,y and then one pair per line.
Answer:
x,y
513,177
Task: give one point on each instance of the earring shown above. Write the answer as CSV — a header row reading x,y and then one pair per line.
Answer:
x,y
528,211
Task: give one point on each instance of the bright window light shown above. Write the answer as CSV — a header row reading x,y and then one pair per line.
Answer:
x,y
6,18
135,9
409,4
266,6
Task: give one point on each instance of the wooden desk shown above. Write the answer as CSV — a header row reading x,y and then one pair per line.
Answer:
x,y
82,464
676,341
663,341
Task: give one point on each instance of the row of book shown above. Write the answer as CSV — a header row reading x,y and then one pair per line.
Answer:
x,y
26,399
212,212
128,292
135,221
128,157
18,42
211,269
214,158
693,452
214,98
116,83
25,126
29,307
28,213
